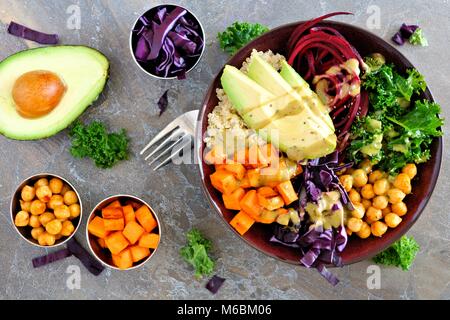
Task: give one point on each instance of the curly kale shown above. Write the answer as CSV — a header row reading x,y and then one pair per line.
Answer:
x,y
239,34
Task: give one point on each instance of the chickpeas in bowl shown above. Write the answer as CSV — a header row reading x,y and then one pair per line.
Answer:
x,y
46,210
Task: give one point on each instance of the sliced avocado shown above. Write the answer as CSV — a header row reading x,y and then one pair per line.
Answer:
x,y
274,109
83,70
244,93
300,137
302,88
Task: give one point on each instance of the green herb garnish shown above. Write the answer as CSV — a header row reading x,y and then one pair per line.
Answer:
x,y
239,34
401,254
404,129
418,39
196,253
93,141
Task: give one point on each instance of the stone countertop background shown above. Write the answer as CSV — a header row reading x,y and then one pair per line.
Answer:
x,y
129,101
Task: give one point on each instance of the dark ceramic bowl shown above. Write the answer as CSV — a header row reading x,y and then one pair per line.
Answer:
x,y
357,249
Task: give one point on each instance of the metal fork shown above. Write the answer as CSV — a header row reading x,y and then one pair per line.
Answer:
x,y
175,133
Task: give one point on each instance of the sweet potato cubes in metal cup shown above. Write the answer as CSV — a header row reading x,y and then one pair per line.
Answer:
x,y
123,232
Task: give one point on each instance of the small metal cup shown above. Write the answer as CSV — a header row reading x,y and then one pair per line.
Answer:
x,y
102,255
132,35
24,232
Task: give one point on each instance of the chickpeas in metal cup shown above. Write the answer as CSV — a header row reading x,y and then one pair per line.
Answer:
x,y
46,210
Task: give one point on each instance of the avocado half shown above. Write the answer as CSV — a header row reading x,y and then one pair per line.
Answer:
x,y
84,71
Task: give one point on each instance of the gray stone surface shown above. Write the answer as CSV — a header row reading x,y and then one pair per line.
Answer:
x,y
129,101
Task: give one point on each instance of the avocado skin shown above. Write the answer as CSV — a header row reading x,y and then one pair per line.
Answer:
x,y
81,110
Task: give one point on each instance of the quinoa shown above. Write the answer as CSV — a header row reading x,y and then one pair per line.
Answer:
x,y
224,121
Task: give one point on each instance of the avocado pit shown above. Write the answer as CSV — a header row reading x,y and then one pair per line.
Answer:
x,y
37,93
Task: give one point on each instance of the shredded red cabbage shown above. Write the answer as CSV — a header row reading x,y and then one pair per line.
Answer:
x,y
398,39
51,257
84,256
214,284
318,247
167,43
163,102
406,30
24,32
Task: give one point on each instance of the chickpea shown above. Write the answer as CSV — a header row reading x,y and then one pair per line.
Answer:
x,y
28,193
75,210
22,219
62,212
64,189
46,217
44,193
25,205
378,228
70,197
366,203
46,239
392,220
53,227
41,182
380,202
395,195
55,201
56,185
34,222
359,211
399,209
386,210
364,232
67,228
359,178
367,191
354,224
348,231
36,232
375,175
373,214
366,166
354,196
58,236
410,169
381,186
346,181
403,182
37,207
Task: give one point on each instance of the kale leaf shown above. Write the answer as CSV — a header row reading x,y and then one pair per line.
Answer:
x,y
196,253
238,35
93,141
401,254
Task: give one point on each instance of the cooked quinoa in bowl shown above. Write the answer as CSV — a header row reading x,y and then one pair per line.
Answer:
x,y
224,121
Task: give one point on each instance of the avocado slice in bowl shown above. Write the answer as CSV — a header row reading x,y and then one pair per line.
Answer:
x,y
45,89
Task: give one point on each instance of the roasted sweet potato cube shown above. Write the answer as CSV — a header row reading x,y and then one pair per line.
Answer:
x,y
224,181
128,213
116,242
145,218
101,243
114,224
149,240
231,201
138,253
123,260
112,213
97,227
242,222
114,204
133,231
